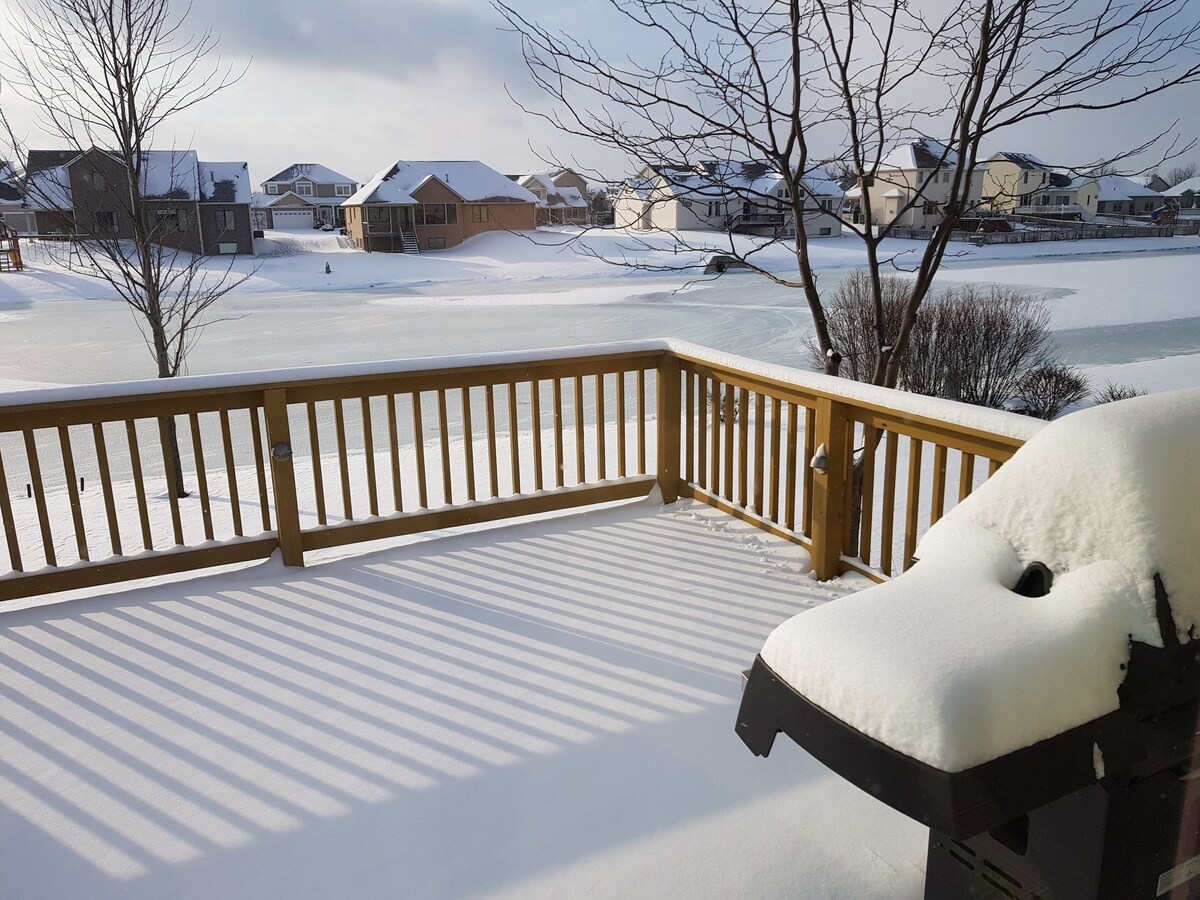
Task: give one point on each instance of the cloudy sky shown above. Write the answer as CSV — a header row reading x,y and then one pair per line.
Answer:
x,y
355,85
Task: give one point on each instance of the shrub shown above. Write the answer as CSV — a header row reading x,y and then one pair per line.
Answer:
x,y
1113,391
969,343
1049,389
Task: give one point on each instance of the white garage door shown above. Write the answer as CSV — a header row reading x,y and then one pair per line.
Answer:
x,y
292,219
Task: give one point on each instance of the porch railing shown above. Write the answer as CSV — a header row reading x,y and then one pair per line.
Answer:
x,y
303,460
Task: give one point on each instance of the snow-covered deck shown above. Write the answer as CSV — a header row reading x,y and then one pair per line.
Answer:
x,y
538,710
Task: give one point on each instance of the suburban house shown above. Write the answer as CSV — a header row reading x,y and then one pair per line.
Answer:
x,y
14,214
749,197
562,196
911,186
1186,194
304,195
1121,196
1021,184
411,207
201,207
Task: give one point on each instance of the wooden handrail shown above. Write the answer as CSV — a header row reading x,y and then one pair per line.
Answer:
x,y
333,456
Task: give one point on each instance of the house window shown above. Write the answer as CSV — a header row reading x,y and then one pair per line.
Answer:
x,y
304,188
106,221
1025,178
945,177
98,182
479,214
229,249
272,189
826,231
715,208
437,214
930,208
225,220
166,220
436,243
343,190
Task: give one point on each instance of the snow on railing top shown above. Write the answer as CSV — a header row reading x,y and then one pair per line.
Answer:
x,y
950,412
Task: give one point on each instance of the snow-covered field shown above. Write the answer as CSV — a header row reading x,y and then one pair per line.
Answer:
x,y
543,710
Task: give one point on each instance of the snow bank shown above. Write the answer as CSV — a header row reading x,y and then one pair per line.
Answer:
x,y
950,667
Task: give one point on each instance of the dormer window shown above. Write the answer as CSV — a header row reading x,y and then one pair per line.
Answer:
x,y
304,188
272,189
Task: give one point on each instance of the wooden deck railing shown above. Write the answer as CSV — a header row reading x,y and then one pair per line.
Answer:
x,y
311,459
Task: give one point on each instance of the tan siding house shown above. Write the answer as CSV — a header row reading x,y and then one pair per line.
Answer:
x,y
413,207
305,195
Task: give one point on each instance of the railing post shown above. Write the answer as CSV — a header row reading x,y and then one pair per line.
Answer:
x,y
669,411
283,476
831,489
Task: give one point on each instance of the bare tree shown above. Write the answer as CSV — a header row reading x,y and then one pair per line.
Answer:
x,y
802,85
102,77
1180,174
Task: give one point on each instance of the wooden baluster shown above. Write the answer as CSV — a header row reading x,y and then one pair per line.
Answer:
x,y
139,483
702,432
867,515
105,472
888,510
667,406
68,458
493,465
789,495
444,434
619,419
468,443
689,428
760,431
714,412
6,517
535,396
201,476
810,449
166,430
580,459
559,462
314,447
601,431
914,500
776,467
339,425
368,433
728,427
514,439
938,501
232,474
419,438
966,476
641,420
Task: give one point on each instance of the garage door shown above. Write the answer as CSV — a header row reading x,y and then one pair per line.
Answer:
x,y
292,219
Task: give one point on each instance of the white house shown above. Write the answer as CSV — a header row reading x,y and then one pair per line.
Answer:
x,y
749,197
912,184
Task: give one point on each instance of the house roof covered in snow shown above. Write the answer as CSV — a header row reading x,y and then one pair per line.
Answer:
x,y
224,182
287,198
556,197
1022,160
1192,184
469,179
921,153
750,178
1118,187
9,192
314,172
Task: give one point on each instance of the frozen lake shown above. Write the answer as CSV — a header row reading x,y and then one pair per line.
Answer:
x,y
1101,316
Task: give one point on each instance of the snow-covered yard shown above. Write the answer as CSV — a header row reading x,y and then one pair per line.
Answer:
x,y
539,710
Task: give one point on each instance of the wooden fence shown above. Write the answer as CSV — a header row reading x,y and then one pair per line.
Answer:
x,y
302,463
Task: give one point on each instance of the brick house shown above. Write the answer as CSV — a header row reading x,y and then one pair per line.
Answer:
x,y
201,207
411,207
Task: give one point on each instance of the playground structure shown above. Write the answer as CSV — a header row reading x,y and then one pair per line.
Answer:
x,y
10,250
